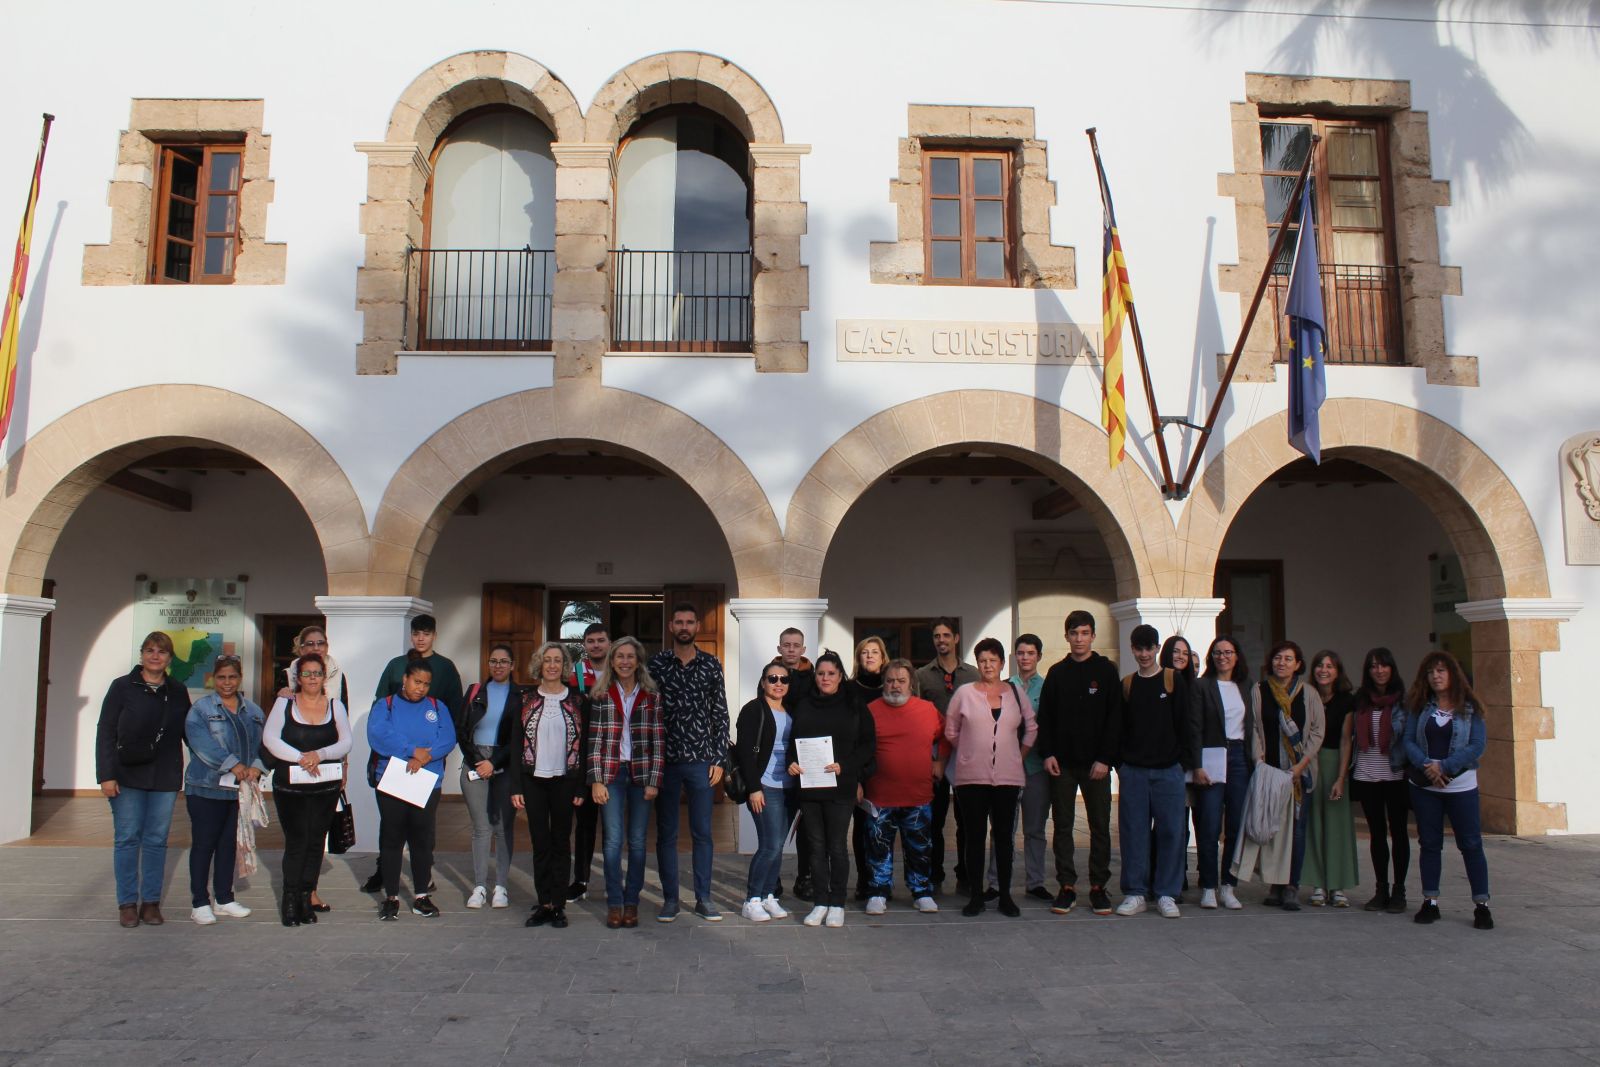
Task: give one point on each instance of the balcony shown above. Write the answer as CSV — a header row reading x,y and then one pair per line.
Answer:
x,y
680,301
483,299
1362,305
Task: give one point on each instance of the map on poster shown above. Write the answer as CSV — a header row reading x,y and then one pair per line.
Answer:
x,y
203,616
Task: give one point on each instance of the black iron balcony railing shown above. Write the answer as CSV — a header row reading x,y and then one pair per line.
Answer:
x,y
680,301
1362,306
484,299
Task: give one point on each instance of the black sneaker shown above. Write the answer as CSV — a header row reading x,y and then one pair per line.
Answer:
x,y
973,907
578,891
1099,900
1008,907
389,910
991,894
373,884
1065,901
1481,919
558,919
425,907
1379,901
1428,913
1397,901
1039,892
539,916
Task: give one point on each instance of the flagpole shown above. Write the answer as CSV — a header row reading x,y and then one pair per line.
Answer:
x,y
1249,321
1168,487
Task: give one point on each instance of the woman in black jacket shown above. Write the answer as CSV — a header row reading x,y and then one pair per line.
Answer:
x,y
138,757
831,711
760,750
486,727
1223,695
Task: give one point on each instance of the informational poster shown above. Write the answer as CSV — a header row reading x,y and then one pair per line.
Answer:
x,y
203,616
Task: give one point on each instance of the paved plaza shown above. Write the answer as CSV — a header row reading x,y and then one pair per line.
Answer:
x,y
1257,986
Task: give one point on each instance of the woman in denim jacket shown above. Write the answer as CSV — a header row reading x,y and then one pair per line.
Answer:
x,y
1442,735
223,729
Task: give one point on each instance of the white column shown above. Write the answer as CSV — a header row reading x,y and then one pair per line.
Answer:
x,y
19,664
761,620
1192,618
364,634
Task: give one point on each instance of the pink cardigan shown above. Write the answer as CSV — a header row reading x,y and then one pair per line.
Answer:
x,y
989,752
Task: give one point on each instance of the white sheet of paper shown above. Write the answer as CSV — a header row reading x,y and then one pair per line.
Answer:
x,y
813,754
1214,761
331,772
228,781
414,789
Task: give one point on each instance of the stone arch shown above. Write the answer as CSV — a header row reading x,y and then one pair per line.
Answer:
x,y
397,178
479,443
454,86
683,78
1492,532
1125,504
67,460
1474,501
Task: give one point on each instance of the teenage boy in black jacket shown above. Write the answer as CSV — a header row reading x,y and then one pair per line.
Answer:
x,y
1078,715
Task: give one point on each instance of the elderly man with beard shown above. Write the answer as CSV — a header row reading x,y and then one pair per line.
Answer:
x,y
911,754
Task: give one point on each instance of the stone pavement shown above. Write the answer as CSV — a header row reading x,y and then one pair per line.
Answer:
x,y
1256,986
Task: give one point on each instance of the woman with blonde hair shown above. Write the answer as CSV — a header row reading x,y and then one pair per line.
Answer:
x,y
625,755
549,773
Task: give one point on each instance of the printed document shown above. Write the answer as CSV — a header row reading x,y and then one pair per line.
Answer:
x,y
414,789
813,754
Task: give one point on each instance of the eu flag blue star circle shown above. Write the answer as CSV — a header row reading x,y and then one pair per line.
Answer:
x,y
1308,335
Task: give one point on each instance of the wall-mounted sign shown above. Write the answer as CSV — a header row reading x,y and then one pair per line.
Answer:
x,y
927,341
203,616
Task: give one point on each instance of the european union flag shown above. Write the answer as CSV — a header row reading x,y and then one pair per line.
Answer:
x,y
1308,337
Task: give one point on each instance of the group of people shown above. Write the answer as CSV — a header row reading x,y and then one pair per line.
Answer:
x,y
858,755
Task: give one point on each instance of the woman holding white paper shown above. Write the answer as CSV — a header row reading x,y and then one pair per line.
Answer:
x,y
223,729
831,714
308,733
411,734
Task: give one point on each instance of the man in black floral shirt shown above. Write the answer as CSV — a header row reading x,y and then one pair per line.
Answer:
x,y
694,709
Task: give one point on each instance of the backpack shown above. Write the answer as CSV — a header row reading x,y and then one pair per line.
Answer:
x,y
1168,681
374,761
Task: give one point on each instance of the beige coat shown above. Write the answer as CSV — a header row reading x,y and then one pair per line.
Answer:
x,y
1274,860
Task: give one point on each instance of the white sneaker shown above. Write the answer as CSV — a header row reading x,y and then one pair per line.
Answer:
x,y
835,917
1208,898
502,899
753,911
1132,904
1318,898
877,905
202,916
1168,908
478,898
1230,899
774,909
927,905
232,909
816,915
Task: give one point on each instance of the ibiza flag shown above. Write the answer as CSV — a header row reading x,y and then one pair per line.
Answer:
x,y
11,314
1308,335
1116,297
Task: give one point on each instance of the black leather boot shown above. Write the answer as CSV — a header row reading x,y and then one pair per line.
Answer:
x,y
303,909
289,907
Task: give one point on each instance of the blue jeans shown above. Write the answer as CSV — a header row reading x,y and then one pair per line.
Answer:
x,y
214,830
1148,793
1462,808
778,809
676,779
1219,810
915,825
140,821
625,803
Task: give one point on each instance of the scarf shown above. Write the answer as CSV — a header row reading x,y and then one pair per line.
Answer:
x,y
1384,704
1289,740
252,813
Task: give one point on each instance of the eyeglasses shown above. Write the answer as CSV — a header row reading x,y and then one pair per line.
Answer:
x,y
310,674
499,663
777,679
1224,653
312,643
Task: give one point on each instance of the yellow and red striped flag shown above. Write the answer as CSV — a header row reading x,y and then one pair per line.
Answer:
x,y
11,316
1116,298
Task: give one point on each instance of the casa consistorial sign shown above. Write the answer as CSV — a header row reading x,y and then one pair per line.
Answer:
x,y
939,341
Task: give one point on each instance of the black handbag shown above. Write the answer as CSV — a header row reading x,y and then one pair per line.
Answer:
x,y
342,830
733,782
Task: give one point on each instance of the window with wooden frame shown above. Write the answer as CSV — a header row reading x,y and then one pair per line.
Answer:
x,y
196,238
967,217
1353,202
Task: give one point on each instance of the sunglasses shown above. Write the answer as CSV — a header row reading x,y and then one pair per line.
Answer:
x,y
777,679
